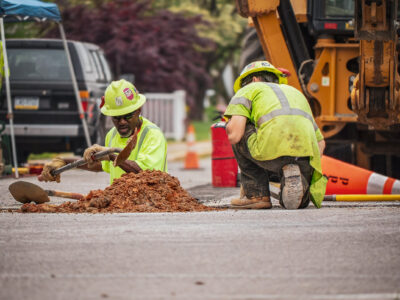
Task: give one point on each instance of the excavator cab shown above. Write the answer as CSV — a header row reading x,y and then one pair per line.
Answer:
x,y
331,17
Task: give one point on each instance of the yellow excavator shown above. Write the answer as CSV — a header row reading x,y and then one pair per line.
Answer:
x,y
343,55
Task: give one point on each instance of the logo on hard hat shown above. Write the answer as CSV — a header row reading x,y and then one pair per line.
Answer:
x,y
118,101
128,93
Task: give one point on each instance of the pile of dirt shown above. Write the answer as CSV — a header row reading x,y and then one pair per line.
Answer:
x,y
148,191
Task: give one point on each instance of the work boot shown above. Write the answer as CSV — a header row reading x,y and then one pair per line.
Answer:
x,y
292,189
252,203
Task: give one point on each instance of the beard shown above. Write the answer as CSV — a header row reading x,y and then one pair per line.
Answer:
x,y
124,131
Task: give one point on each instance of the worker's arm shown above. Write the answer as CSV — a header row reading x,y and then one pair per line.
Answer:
x,y
321,141
129,166
235,128
321,147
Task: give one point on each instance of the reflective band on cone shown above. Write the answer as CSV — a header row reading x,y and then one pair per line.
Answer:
x,y
345,178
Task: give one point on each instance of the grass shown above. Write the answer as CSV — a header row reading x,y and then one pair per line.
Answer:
x,y
48,155
203,130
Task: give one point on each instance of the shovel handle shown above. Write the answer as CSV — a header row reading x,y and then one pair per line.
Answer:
x,y
81,162
68,195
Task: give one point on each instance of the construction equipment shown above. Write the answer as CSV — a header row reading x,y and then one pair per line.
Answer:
x,y
343,55
26,192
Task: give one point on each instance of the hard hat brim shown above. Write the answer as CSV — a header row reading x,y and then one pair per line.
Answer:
x,y
126,110
278,73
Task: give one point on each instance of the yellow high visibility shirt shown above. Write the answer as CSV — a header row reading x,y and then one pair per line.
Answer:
x,y
285,127
150,152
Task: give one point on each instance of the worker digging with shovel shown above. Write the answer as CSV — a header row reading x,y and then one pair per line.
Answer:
x,y
123,103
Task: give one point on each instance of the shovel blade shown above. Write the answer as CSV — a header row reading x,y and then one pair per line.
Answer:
x,y
124,154
26,192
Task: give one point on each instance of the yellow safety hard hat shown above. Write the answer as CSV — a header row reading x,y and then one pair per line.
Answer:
x,y
121,98
259,66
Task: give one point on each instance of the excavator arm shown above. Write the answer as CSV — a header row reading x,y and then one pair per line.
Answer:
x,y
264,17
375,96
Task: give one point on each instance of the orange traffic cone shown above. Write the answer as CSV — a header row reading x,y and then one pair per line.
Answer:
x,y
345,178
191,159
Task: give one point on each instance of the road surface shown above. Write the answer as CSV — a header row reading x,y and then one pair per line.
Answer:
x,y
341,251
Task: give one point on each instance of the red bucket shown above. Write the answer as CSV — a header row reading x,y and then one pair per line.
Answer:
x,y
224,164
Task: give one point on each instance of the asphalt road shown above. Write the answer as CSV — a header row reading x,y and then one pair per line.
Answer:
x,y
341,251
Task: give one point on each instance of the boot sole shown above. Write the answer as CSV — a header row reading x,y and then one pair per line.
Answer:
x,y
259,205
292,192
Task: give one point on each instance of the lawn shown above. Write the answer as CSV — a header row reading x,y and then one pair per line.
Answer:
x,y
202,130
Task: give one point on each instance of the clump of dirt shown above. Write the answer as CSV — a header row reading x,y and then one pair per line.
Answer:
x,y
147,191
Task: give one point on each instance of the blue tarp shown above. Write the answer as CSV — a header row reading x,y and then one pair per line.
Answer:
x,y
21,10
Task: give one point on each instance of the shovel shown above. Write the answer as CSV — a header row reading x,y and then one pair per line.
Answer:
x,y
123,155
26,192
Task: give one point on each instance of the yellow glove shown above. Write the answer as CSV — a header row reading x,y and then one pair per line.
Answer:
x,y
92,150
56,163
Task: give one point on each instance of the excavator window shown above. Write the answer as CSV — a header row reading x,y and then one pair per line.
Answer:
x,y
338,8
333,17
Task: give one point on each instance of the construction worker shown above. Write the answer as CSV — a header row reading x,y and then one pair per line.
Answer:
x,y
272,131
123,103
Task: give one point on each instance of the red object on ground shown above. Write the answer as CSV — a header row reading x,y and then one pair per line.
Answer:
x,y
224,164
36,169
345,178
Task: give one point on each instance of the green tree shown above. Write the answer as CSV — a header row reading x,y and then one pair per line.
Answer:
x,y
226,30
167,44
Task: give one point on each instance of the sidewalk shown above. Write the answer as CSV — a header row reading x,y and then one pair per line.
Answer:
x,y
177,150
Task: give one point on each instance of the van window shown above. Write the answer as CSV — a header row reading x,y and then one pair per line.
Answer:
x,y
38,64
84,55
100,73
105,66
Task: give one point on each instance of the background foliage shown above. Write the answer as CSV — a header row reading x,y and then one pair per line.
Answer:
x,y
166,44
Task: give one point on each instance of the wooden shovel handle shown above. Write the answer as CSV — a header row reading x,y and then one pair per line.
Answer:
x,y
81,162
68,195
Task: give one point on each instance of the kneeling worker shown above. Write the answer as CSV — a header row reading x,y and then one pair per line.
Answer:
x,y
271,129
123,103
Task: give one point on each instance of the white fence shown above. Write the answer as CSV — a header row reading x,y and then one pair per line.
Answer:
x,y
168,111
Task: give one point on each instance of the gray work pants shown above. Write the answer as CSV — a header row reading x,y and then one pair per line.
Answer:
x,y
254,176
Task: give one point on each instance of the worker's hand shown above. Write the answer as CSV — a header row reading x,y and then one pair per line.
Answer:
x,y
89,153
56,163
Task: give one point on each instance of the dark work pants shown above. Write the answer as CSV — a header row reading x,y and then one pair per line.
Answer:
x,y
254,176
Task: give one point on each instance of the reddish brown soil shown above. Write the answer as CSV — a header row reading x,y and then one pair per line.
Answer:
x,y
148,191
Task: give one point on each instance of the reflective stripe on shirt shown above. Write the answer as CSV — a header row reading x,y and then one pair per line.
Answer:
x,y
145,130
241,100
286,110
112,136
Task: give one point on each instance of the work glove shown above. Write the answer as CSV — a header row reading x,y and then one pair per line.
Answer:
x,y
92,150
56,163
